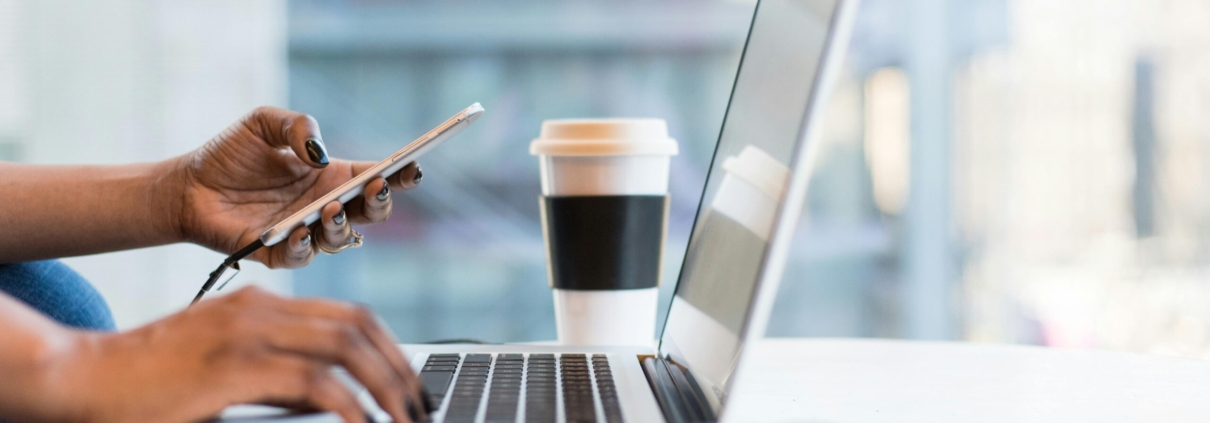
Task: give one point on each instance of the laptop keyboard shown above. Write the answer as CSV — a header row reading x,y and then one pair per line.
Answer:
x,y
538,381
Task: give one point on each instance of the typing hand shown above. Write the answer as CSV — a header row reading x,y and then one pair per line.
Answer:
x,y
244,348
261,170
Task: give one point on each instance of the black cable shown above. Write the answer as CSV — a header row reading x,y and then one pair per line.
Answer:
x,y
231,261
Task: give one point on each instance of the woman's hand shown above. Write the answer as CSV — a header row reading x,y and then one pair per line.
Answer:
x,y
250,347
261,170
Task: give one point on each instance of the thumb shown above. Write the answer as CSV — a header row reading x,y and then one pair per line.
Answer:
x,y
282,128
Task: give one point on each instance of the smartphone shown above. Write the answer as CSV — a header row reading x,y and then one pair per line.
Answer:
x,y
351,189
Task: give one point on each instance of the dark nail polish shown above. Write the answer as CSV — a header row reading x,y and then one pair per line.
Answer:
x,y
305,241
419,176
339,219
428,403
317,151
384,193
413,412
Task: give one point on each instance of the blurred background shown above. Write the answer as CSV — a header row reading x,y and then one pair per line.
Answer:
x,y
1029,172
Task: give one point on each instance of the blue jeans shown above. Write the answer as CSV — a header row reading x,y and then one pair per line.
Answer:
x,y
57,291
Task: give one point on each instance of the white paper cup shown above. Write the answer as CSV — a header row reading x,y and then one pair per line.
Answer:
x,y
604,214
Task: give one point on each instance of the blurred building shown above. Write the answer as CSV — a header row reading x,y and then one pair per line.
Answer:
x,y
1082,178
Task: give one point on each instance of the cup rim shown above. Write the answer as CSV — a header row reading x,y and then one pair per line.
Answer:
x,y
603,147
613,136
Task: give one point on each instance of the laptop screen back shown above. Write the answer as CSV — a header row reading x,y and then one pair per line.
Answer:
x,y
745,188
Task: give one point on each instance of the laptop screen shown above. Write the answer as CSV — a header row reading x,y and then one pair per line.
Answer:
x,y
745,188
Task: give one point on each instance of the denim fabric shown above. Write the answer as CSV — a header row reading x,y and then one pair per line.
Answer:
x,y
57,291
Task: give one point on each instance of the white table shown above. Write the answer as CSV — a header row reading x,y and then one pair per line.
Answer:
x,y
843,380
849,380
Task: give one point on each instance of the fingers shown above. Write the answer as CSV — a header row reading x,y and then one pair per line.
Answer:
x,y
296,382
296,251
407,178
335,229
321,333
283,128
378,337
327,393
345,344
374,205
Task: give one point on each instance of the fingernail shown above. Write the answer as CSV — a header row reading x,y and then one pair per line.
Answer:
x,y
317,151
305,241
419,176
413,412
339,219
384,193
428,403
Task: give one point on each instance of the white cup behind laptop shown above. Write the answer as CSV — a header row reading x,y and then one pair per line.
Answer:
x,y
604,218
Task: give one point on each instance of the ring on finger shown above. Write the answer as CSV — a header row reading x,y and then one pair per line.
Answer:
x,y
354,241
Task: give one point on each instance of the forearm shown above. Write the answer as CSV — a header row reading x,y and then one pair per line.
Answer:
x,y
33,355
59,211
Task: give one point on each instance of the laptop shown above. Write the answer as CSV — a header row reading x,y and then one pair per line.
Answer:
x,y
737,251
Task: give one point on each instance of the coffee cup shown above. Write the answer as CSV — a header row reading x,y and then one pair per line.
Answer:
x,y
604,210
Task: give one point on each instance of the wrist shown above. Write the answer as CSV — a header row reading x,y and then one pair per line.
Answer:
x,y
166,198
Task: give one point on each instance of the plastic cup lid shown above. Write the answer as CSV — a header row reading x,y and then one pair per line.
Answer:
x,y
604,137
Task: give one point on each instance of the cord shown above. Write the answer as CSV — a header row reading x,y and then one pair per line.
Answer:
x,y
230,261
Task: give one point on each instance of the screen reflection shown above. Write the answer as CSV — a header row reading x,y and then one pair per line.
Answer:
x,y
745,188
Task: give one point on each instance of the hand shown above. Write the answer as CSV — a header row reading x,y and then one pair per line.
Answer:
x,y
261,170
245,348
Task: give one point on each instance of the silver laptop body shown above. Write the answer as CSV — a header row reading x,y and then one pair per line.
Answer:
x,y
737,252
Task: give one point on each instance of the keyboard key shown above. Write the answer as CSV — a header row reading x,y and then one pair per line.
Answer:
x,y
436,382
607,391
506,378
478,358
577,389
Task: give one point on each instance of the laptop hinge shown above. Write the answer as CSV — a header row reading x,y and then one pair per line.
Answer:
x,y
678,394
